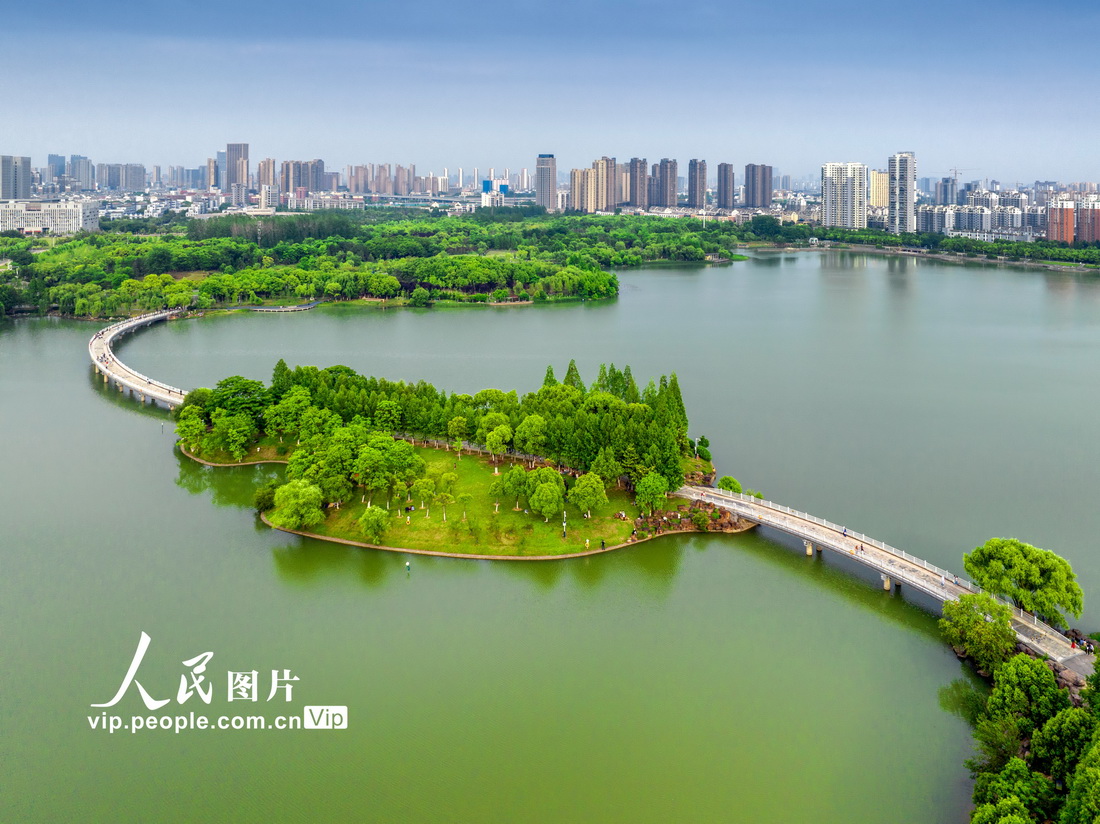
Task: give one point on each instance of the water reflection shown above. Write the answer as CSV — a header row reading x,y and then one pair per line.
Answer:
x,y
965,697
228,485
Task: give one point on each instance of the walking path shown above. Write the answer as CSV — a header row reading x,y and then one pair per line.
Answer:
x,y
895,566
112,369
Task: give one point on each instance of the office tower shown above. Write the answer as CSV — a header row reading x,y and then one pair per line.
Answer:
x,y
56,165
758,186
697,184
727,190
1088,221
1060,221
947,192
878,193
15,177
236,165
638,172
665,191
546,182
265,172
844,195
902,216
605,192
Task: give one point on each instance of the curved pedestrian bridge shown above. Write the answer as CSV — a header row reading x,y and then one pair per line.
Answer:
x,y
112,369
894,566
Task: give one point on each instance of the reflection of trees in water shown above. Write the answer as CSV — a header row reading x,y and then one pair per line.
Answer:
x,y
228,486
965,697
305,561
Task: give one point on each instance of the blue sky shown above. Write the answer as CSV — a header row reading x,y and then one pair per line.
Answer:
x,y
1006,89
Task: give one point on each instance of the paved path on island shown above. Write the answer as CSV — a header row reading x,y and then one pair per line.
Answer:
x,y
112,369
894,566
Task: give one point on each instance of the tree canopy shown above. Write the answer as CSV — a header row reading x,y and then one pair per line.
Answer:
x,y
1034,579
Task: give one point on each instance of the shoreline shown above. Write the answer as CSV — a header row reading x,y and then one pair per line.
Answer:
x,y
470,557
466,555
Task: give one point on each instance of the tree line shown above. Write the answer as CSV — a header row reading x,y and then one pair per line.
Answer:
x,y
343,426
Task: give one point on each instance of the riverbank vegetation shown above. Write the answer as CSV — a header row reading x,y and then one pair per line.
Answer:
x,y
346,439
500,255
1037,732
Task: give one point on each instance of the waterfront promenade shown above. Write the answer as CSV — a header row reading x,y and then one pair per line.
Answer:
x,y
895,567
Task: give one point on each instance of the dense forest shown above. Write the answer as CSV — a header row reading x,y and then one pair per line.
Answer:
x,y
343,426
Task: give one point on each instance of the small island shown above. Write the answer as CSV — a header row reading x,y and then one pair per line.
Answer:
x,y
564,471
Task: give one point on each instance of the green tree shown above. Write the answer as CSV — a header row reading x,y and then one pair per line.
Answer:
x,y
514,483
588,492
264,497
191,427
1062,741
650,492
728,483
573,377
997,741
497,442
547,500
605,465
240,396
1035,579
549,379
297,505
530,435
1034,791
1024,690
231,433
1008,810
373,522
424,490
980,626
420,297
1083,803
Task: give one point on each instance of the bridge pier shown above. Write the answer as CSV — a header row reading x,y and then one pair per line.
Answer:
x,y
887,584
809,548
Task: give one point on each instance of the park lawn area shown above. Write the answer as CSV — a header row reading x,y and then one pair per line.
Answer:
x,y
267,448
484,532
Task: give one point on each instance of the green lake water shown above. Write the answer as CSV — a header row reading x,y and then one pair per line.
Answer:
x,y
725,678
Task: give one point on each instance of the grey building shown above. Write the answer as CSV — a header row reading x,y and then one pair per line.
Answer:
x,y
727,189
697,184
546,182
758,185
15,177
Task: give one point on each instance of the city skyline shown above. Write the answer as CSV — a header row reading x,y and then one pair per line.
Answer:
x,y
445,85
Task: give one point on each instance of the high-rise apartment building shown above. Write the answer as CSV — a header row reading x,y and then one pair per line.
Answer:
x,y
15,177
607,184
638,171
1061,221
582,190
236,165
947,192
878,191
211,173
665,189
546,182
727,189
902,215
758,186
1088,221
844,195
697,184
265,172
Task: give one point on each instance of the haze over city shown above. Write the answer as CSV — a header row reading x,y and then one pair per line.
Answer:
x,y
494,83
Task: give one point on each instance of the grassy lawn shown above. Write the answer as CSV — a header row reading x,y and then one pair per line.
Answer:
x,y
266,449
484,531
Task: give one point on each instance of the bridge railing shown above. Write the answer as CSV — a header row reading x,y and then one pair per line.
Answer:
x,y
109,333
1023,617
